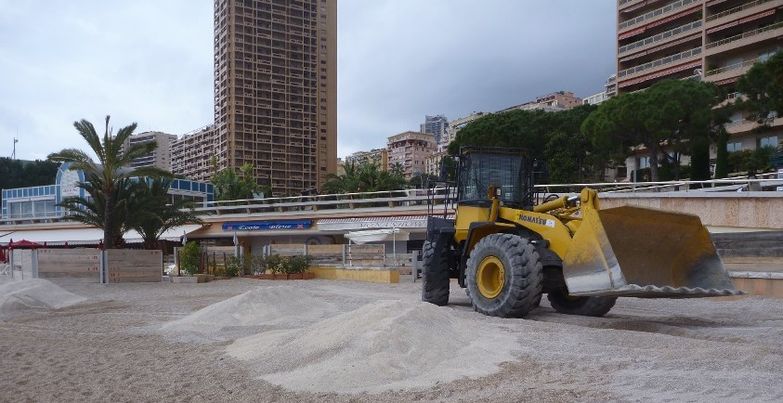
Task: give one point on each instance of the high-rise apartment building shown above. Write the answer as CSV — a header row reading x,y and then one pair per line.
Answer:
x,y
554,102
193,153
160,157
714,40
410,150
276,90
436,126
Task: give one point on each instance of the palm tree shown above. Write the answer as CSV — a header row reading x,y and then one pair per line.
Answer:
x,y
105,177
156,212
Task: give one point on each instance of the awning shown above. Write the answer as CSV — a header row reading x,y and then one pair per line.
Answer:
x,y
172,234
86,236
377,235
74,236
359,223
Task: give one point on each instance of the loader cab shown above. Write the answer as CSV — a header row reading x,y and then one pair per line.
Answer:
x,y
507,169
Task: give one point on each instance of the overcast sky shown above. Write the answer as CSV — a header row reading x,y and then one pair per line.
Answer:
x,y
150,61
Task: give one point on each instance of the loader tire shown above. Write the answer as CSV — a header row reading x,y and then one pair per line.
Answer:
x,y
435,275
586,306
517,290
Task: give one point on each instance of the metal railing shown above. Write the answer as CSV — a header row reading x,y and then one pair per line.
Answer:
x,y
416,199
735,66
660,62
735,10
660,37
745,34
656,13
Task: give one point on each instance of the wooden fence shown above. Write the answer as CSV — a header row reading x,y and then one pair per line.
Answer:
x,y
82,264
133,266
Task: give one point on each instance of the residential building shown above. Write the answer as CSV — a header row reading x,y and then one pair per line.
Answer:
x,y
160,157
432,163
378,156
436,126
192,154
410,150
42,203
455,126
554,102
714,40
595,99
276,91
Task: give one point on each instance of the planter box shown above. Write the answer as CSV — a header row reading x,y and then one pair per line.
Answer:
x,y
266,276
185,280
296,276
308,275
281,276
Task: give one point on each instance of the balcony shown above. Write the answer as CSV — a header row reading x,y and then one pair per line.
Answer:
x,y
657,13
745,126
746,38
730,71
660,63
742,11
663,37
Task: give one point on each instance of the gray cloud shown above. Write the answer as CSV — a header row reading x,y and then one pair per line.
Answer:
x,y
151,62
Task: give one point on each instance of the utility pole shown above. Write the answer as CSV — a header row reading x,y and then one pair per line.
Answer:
x,y
13,154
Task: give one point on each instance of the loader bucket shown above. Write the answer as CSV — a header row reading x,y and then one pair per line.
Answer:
x,y
638,252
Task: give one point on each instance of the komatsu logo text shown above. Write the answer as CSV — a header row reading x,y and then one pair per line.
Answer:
x,y
537,220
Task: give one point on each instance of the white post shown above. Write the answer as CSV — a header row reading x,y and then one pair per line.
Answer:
x,y
33,263
394,246
11,260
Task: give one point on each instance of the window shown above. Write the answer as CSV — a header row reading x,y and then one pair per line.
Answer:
x,y
771,141
644,162
733,147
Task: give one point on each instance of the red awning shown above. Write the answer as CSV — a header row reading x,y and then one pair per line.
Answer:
x,y
23,244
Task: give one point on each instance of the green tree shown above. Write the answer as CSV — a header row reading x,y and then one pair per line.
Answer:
x,y
668,119
230,185
155,211
19,173
364,177
190,257
91,210
554,137
108,173
762,86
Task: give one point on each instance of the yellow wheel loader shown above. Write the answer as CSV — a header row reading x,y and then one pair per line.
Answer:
x,y
507,250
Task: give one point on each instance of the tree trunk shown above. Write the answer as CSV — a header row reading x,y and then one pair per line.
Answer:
x,y
108,220
722,159
653,161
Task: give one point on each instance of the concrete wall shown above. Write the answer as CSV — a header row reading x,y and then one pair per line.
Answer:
x,y
728,209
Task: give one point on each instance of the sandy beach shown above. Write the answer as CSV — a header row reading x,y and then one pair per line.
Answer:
x,y
250,340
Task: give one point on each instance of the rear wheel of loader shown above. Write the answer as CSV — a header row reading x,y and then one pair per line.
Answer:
x,y
587,306
435,275
504,276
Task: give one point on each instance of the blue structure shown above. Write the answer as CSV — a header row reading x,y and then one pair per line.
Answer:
x,y
40,203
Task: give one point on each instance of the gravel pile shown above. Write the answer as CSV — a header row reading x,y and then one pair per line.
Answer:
x,y
21,296
384,345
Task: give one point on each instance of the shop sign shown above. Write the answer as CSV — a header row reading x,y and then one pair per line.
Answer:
x,y
266,225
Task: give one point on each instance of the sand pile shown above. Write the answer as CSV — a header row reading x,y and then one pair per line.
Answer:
x,y
381,346
260,309
19,296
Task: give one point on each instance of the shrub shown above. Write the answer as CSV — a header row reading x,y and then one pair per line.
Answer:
x,y
190,257
233,266
286,264
298,264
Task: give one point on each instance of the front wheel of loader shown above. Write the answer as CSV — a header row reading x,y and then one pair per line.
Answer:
x,y
435,275
587,306
504,276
